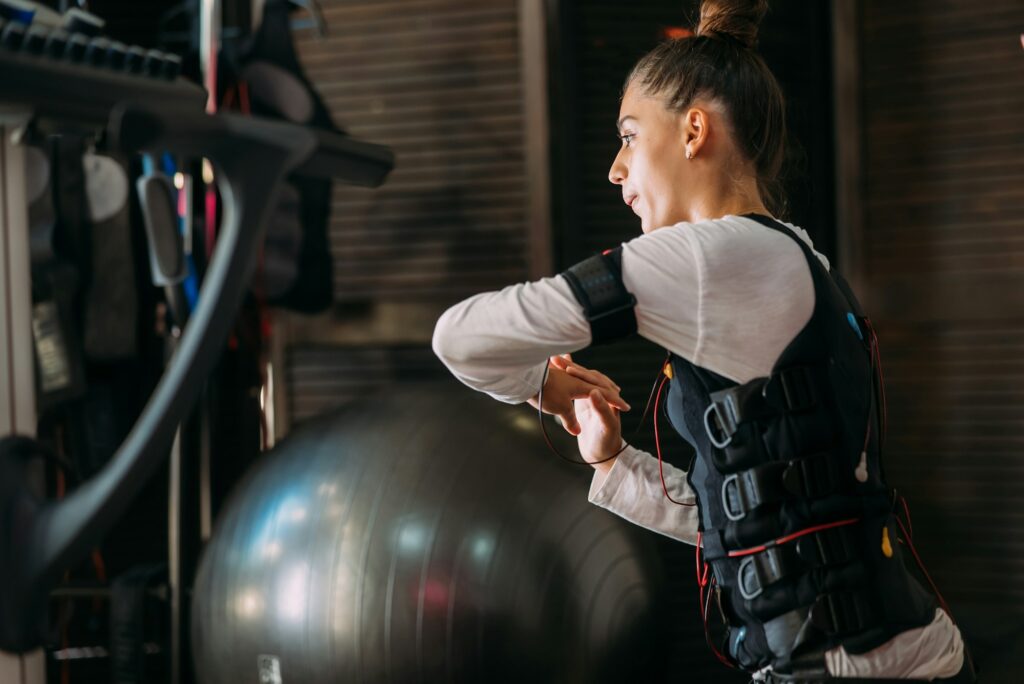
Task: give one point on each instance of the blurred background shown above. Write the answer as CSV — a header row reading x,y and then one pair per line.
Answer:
x,y
906,166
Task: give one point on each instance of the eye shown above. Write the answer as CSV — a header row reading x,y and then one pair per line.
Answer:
x,y
627,138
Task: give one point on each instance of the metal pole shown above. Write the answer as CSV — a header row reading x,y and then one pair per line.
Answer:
x,y
174,531
17,361
534,69
209,44
849,141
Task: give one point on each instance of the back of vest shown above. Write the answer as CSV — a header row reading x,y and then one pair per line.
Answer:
x,y
797,520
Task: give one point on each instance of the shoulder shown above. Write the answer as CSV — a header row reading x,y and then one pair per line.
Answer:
x,y
727,243
733,238
758,293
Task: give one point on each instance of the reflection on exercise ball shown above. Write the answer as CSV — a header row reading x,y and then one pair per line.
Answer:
x,y
425,534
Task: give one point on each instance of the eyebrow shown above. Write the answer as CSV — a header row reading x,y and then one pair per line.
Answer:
x,y
623,120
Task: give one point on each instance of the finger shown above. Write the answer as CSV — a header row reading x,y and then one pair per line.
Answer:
x,y
593,376
558,362
615,399
603,409
570,423
610,396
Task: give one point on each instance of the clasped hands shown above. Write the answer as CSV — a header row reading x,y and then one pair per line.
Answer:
x,y
587,403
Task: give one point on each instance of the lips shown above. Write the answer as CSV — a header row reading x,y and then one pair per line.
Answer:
x,y
631,200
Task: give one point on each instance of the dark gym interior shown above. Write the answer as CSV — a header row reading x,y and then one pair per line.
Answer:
x,y
228,451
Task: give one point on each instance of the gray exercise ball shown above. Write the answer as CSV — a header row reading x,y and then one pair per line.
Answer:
x,y
424,534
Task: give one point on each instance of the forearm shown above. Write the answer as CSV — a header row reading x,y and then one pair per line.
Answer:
x,y
499,342
630,486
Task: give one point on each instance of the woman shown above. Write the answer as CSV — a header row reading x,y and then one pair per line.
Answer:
x,y
773,377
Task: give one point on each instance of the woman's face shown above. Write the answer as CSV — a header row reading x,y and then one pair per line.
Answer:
x,y
651,166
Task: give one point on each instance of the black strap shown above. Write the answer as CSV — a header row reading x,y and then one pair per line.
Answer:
x,y
844,612
128,613
597,285
805,478
757,571
789,390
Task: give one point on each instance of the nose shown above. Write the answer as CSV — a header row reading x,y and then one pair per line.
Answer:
x,y
617,174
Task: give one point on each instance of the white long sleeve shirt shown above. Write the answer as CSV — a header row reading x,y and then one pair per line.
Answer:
x,y
727,294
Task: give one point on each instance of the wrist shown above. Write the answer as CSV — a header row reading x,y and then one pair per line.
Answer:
x,y
604,463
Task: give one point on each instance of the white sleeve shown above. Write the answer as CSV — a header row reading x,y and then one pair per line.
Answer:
x,y
728,295
498,342
632,490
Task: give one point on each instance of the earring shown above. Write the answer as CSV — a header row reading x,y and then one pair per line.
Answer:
x,y
689,155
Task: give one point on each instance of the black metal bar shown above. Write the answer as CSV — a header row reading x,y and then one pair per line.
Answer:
x,y
252,157
66,91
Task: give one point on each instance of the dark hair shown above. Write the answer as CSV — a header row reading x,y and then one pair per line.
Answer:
x,y
719,61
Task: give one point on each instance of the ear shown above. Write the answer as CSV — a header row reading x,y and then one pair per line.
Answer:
x,y
695,125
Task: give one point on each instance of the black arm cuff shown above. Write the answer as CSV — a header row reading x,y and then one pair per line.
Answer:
x,y
597,285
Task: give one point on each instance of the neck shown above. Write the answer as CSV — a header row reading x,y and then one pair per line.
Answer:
x,y
725,194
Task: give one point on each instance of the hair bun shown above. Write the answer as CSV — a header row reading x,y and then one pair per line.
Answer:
x,y
734,19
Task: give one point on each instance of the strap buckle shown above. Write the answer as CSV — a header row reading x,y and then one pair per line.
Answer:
x,y
728,429
809,477
730,496
835,546
790,391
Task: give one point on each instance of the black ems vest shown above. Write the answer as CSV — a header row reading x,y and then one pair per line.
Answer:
x,y
795,514
796,517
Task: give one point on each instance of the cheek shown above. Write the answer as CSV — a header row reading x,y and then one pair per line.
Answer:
x,y
644,171
657,182
657,175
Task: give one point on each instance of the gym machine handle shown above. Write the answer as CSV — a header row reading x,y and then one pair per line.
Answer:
x,y
330,155
40,539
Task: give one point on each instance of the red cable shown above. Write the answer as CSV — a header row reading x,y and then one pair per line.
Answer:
x,y
707,635
881,385
920,564
876,362
704,602
701,581
657,446
906,511
243,98
696,555
544,429
790,537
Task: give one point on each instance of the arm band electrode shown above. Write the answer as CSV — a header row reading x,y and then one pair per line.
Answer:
x,y
597,285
